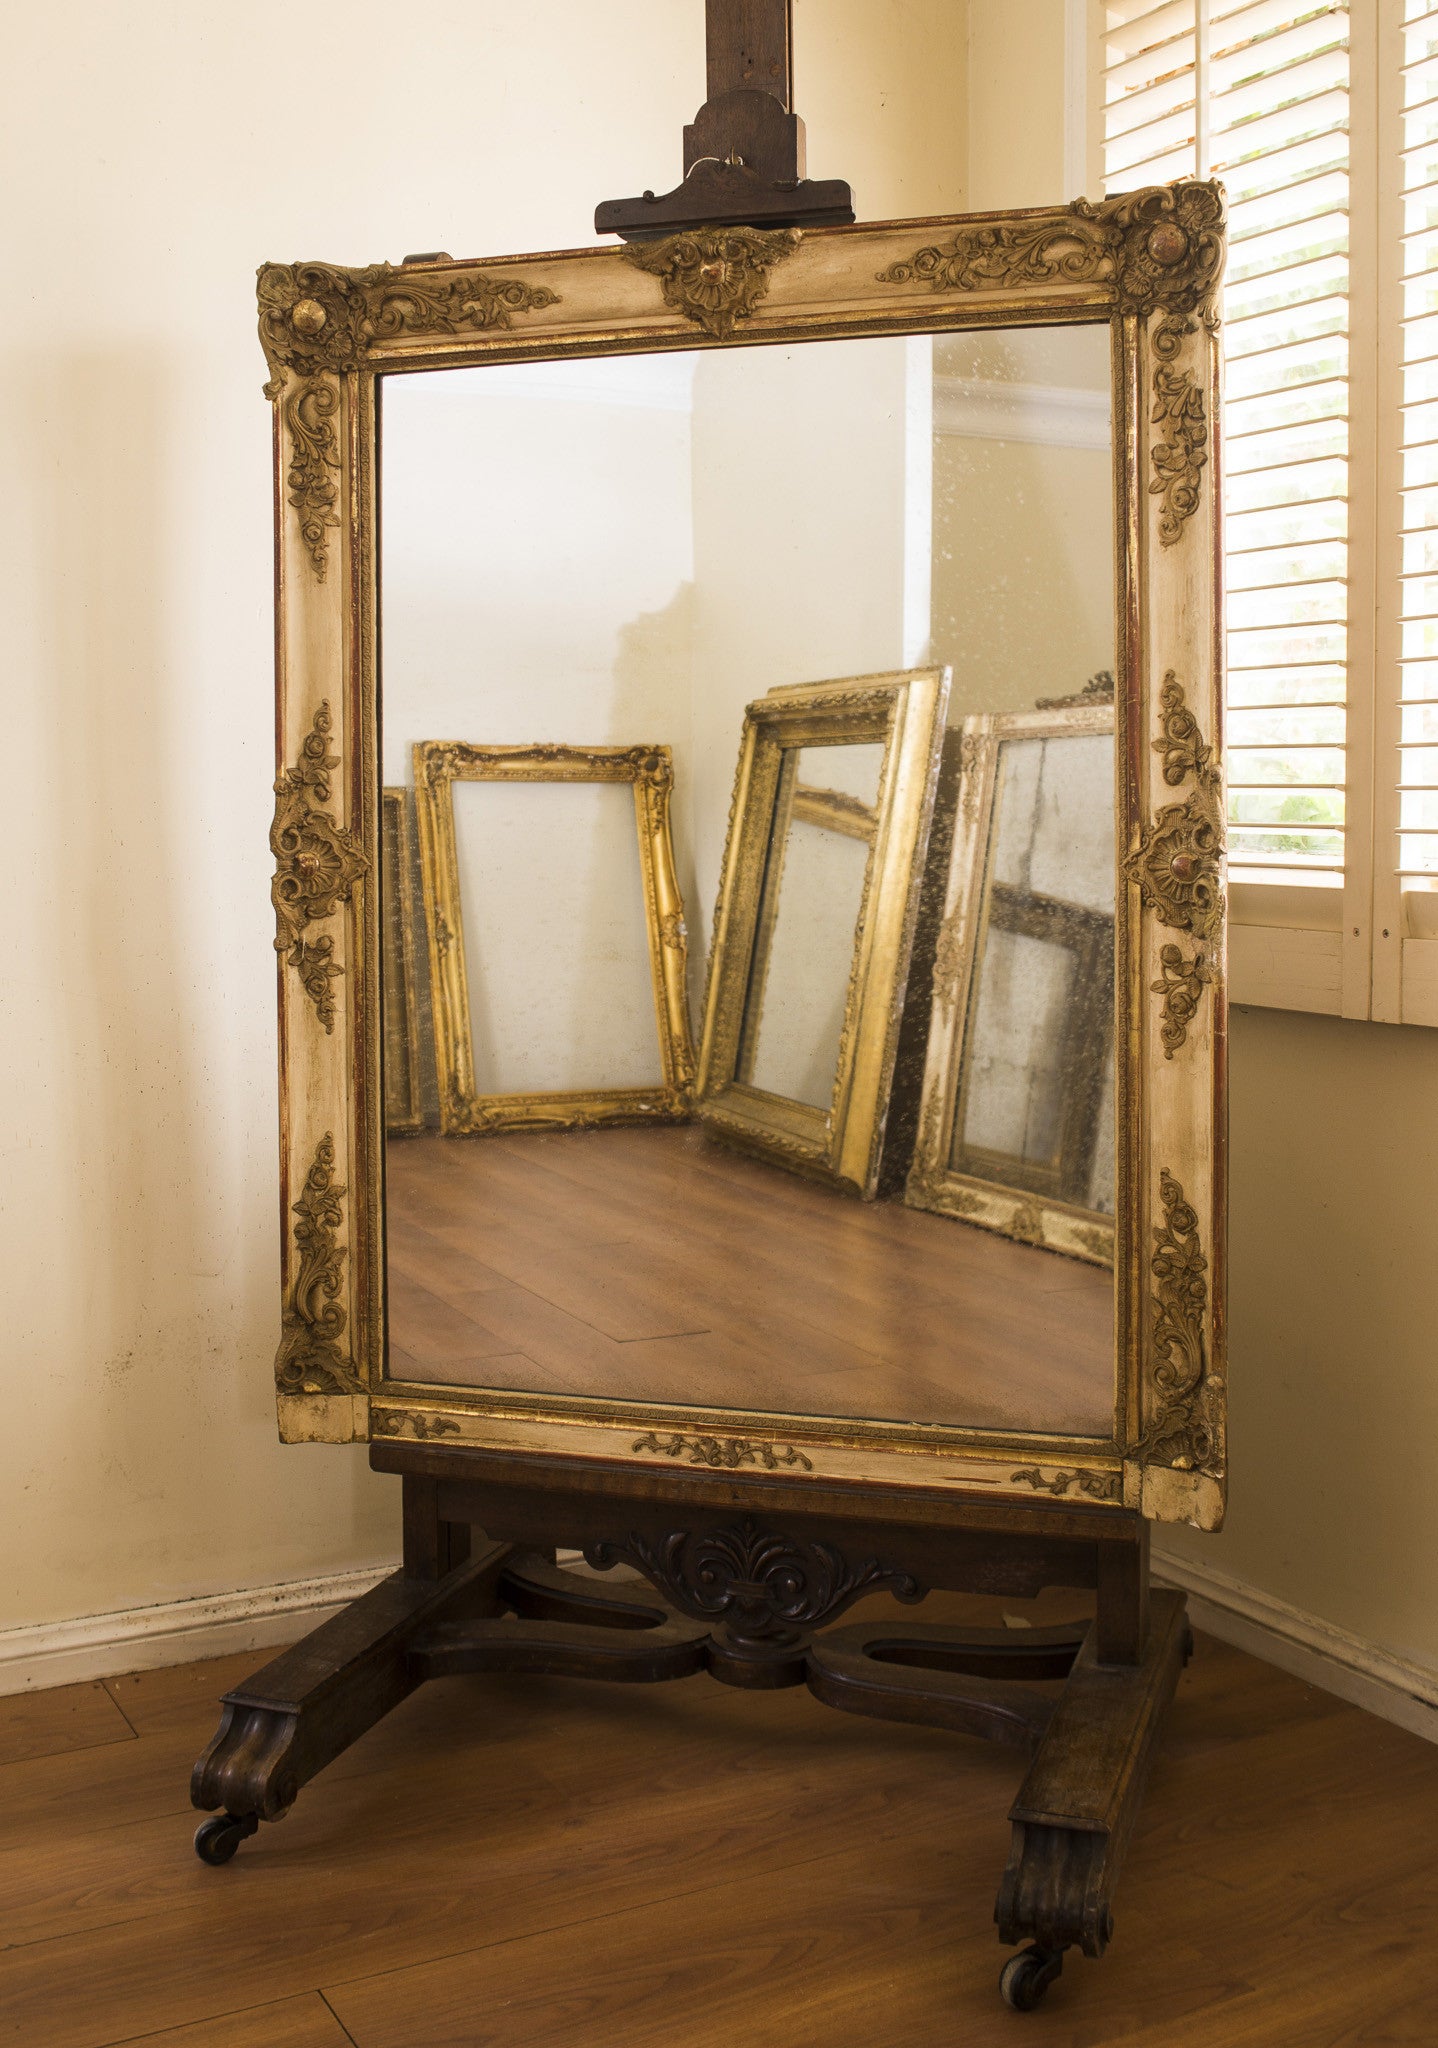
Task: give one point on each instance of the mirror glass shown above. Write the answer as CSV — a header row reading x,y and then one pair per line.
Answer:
x,y
809,904
625,553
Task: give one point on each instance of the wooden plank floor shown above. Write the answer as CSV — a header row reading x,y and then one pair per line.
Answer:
x,y
654,1265
507,1863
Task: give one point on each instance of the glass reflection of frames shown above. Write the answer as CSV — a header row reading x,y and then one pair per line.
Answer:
x,y
812,863
464,1109
403,1085
1016,1127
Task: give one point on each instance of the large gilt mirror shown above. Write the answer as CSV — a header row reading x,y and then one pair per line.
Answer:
x,y
758,539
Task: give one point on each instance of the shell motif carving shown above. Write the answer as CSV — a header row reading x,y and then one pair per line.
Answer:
x,y
763,1587
715,276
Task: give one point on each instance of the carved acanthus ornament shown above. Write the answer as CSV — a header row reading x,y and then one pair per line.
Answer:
x,y
763,1587
1178,863
1106,1486
722,1453
715,276
318,321
317,863
1179,449
310,1360
1184,1401
413,1422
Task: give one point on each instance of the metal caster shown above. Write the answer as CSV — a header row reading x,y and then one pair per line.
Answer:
x,y
217,1840
1027,1976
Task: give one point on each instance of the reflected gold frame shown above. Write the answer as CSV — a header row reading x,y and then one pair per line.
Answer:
x,y
1145,266
401,1049
904,713
933,1182
464,1111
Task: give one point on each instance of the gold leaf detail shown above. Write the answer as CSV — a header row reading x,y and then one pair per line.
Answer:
x,y
1180,451
317,863
721,1452
1181,985
1096,1485
1182,1428
316,316
1160,248
310,1360
715,276
314,466
398,1421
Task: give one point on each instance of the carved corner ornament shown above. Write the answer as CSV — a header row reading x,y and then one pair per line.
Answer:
x,y
317,863
722,1453
1182,1429
715,276
1178,864
317,321
1162,250
310,1360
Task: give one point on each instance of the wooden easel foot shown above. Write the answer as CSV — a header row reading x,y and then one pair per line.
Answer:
x,y
1077,1806
310,1703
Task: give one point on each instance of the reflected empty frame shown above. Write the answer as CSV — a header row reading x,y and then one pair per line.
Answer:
x,y
466,1108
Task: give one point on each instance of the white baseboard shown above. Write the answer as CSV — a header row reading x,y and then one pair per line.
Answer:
x,y
1310,1649
175,1631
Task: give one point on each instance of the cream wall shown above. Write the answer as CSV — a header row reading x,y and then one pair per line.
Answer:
x,y
163,151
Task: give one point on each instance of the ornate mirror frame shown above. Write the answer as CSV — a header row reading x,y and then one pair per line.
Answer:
x,y
904,713
1146,263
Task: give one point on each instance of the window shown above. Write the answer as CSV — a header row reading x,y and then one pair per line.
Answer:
x,y
1323,126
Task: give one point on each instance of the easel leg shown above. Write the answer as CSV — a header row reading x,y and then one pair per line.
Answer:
x,y
1076,1808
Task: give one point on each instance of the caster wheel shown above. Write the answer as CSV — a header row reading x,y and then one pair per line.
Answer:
x,y
217,1840
1027,1976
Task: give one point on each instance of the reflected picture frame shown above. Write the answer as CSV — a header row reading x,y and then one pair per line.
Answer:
x,y
1005,1196
649,771
1146,267
903,712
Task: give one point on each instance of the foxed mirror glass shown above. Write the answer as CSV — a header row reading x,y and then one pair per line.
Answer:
x,y
623,552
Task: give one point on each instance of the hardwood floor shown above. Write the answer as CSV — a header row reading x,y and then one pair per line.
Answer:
x,y
652,1264
510,1862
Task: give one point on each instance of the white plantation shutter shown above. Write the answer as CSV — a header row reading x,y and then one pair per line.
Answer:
x,y
1418,518
1256,95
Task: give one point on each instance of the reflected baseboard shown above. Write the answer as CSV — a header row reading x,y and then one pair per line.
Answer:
x,y
1306,1647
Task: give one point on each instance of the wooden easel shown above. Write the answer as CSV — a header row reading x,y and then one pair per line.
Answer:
x,y
750,1572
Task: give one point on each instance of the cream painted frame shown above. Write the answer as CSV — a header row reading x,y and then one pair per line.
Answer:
x,y
1147,265
904,712
933,1183
649,771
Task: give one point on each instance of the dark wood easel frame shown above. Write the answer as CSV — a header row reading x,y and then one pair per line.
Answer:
x,y
750,1572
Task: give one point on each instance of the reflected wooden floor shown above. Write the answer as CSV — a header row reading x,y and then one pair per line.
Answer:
x,y
654,1265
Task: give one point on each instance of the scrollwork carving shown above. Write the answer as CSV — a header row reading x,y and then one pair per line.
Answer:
x,y
1161,248
722,1453
317,863
317,317
1181,985
310,1360
1106,1486
763,1587
1178,863
413,1422
1179,450
313,472
715,276
1182,1428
